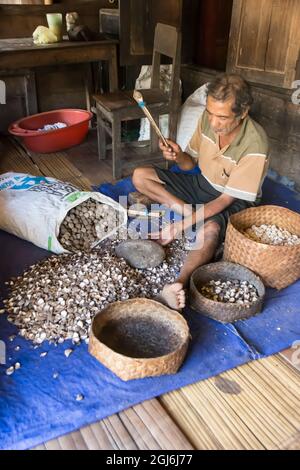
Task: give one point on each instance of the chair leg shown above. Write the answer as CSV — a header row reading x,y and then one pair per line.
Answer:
x,y
116,148
101,136
173,118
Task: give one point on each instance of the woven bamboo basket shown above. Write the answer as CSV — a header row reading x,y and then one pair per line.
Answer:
x,y
139,338
278,266
220,311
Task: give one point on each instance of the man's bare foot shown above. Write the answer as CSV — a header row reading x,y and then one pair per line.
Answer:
x,y
173,295
139,198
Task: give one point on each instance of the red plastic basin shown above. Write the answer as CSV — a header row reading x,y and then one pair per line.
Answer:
x,y
77,121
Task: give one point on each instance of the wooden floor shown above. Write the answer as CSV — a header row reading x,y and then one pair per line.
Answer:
x,y
255,406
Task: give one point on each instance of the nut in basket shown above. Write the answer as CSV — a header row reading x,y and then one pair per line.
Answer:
x,y
225,312
277,265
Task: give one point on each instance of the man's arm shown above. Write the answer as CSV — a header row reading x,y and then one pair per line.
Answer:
x,y
217,205
175,154
210,209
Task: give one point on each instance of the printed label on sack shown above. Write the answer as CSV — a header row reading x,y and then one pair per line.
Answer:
x,y
22,182
55,188
39,184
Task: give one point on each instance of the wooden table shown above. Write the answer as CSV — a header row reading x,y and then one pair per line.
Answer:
x,y
23,55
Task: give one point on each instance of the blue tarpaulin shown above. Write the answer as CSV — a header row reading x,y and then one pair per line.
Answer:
x,y
35,407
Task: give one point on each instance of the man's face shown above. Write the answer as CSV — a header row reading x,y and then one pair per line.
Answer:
x,y
221,117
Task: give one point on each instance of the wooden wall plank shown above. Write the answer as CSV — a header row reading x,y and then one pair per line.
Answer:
x,y
254,31
280,27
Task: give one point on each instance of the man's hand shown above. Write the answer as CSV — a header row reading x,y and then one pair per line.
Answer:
x,y
174,153
171,153
169,233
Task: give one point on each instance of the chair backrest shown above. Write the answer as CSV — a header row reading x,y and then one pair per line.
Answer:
x,y
167,42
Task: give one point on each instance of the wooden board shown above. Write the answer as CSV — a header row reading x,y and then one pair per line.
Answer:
x,y
147,426
21,53
16,45
268,60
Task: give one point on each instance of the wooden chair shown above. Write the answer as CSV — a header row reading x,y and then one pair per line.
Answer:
x,y
113,108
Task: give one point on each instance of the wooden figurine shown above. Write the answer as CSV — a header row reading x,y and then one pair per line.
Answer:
x,y
77,31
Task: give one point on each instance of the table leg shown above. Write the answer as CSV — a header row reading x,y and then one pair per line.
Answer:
x,y
113,70
116,148
101,137
88,85
30,93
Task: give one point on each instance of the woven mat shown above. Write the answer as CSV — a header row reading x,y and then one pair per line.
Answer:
x,y
255,406
16,158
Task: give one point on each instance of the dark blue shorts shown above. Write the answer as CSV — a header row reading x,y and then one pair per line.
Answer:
x,y
195,189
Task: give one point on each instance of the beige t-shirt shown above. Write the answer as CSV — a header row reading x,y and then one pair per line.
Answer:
x,y
238,169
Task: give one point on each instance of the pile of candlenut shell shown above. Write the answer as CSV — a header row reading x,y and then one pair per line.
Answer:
x,y
57,298
231,291
271,235
85,224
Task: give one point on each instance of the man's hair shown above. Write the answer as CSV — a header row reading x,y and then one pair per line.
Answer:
x,y
226,86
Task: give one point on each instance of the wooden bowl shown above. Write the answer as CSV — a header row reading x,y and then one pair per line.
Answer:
x,y
220,311
139,338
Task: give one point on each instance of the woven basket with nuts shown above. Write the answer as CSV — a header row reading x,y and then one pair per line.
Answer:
x,y
266,240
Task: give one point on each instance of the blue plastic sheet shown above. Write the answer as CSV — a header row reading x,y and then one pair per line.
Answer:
x,y
35,407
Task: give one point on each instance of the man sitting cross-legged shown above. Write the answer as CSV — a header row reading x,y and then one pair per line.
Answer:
x,y
231,150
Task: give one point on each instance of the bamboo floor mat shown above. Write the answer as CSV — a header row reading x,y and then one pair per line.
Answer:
x,y
255,406
13,157
147,426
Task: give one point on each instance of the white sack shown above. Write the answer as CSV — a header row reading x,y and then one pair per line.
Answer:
x,y
191,112
33,208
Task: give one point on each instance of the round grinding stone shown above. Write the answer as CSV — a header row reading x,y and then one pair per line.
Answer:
x,y
141,254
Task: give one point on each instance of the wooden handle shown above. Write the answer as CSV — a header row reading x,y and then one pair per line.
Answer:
x,y
137,95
